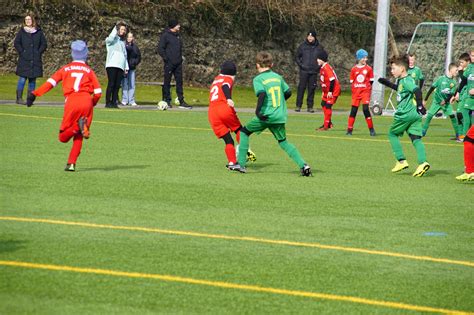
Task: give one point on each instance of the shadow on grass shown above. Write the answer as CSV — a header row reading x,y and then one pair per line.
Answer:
x,y
111,168
11,245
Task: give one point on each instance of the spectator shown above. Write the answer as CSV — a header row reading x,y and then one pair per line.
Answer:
x,y
30,43
170,48
128,83
116,64
306,59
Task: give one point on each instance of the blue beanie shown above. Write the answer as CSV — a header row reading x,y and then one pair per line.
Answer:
x,y
361,53
79,50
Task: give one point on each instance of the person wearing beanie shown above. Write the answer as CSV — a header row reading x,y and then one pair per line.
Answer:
x,y
361,78
30,43
79,84
308,70
170,48
222,116
330,87
116,64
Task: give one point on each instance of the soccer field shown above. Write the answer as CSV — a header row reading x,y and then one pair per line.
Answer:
x,y
152,222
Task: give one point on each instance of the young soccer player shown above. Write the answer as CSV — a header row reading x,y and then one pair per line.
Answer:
x,y
407,117
468,174
330,87
415,71
82,92
222,115
362,78
465,100
271,112
444,88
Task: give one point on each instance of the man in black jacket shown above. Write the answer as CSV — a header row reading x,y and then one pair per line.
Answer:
x,y
306,59
170,48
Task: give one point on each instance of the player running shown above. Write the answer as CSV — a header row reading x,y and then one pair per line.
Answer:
x,y
82,92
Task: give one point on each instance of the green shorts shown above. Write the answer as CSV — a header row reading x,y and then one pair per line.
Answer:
x,y
257,125
411,126
435,107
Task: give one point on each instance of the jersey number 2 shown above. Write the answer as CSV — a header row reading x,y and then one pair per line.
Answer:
x,y
78,76
214,93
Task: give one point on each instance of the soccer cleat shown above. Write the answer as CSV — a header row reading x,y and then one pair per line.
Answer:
x,y
242,170
459,140
400,166
349,132
372,132
251,156
233,167
83,127
298,109
465,177
70,167
322,128
331,125
306,171
421,169
185,105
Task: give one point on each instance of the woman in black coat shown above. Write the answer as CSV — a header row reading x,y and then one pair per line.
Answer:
x,y
30,43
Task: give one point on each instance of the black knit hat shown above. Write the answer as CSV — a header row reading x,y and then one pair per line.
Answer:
x,y
312,32
228,68
323,55
172,23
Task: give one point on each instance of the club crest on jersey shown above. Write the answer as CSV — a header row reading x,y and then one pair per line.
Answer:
x,y
360,78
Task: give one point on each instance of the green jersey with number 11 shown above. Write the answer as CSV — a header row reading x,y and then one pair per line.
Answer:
x,y
274,86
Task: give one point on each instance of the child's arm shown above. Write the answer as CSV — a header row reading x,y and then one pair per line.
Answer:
x,y
45,87
432,88
387,83
261,100
228,94
419,101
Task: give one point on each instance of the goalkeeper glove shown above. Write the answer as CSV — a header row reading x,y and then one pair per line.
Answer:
x,y
30,99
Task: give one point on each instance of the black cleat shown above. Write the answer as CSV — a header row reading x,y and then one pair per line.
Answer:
x,y
349,132
372,132
185,105
306,171
233,167
70,168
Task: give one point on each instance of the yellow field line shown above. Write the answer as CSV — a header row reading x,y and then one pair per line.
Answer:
x,y
208,129
228,285
242,238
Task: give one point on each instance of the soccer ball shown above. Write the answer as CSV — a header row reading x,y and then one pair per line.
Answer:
x,y
376,109
176,101
162,105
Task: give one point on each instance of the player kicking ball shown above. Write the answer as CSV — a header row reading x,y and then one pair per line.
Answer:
x,y
271,112
407,117
222,115
82,91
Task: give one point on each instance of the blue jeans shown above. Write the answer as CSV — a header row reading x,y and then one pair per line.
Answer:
x,y
21,84
128,88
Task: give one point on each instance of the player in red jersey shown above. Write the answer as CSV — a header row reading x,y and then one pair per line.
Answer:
x,y
362,77
330,87
82,92
222,115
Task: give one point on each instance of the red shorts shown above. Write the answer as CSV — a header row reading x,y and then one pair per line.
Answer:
x,y
361,97
329,101
77,105
223,118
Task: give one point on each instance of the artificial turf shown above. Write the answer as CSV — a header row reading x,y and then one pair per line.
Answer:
x,y
165,171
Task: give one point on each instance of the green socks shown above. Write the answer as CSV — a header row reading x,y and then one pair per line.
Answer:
x,y
243,148
420,150
292,152
396,146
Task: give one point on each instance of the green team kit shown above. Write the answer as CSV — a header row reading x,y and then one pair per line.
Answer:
x,y
416,74
445,87
274,113
466,101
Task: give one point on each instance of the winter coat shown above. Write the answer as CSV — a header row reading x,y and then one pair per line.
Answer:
x,y
30,47
134,56
170,48
306,56
116,52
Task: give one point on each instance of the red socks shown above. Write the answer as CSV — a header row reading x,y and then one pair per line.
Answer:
x,y
469,157
76,149
370,123
350,124
327,116
230,153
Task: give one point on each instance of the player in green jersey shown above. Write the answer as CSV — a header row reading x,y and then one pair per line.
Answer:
x,y
444,88
407,117
415,71
465,101
272,92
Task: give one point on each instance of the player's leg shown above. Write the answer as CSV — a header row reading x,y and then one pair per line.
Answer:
x,y
448,111
311,90
414,131
466,119
368,119
352,117
434,108
254,125
19,90
303,82
324,109
74,153
279,132
395,131
229,149
166,88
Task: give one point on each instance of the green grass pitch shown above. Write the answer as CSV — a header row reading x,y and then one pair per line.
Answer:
x,y
152,222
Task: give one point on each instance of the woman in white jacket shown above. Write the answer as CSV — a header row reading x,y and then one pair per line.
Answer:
x,y
116,64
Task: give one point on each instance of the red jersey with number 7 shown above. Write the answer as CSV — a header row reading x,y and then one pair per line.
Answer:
x,y
76,77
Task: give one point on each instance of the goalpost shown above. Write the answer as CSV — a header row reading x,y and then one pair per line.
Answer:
x,y
436,45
